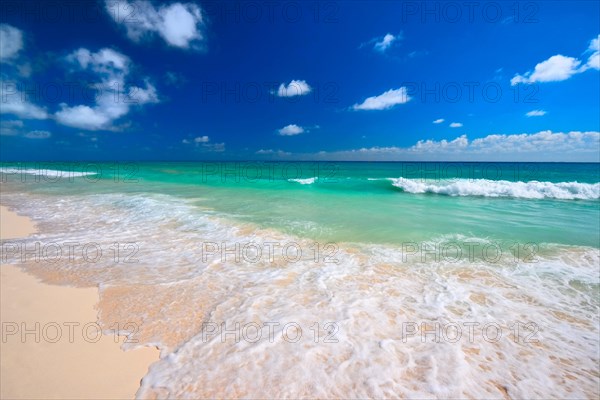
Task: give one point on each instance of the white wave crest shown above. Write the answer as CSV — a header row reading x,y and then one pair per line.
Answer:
x,y
491,188
307,181
51,173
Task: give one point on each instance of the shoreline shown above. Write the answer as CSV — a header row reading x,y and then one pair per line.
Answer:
x,y
51,346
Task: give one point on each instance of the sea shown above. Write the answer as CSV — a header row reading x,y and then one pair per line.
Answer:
x,y
330,279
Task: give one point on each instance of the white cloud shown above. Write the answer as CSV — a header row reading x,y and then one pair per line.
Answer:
x,y
439,121
15,128
13,101
556,68
107,61
426,146
294,88
279,153
174,78
10,127
559,68
384,101
291,130
540,146
197,140
115,97
456,125
139,95
179,24
594,59
544,141
385,43
595,44
83,117
203,143
11,123
214,147
11,42
37,135
536,113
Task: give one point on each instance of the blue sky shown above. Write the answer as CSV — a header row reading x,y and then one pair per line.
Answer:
x,y
382,80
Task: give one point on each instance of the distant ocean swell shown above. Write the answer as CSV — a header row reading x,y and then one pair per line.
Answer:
x,y
449,187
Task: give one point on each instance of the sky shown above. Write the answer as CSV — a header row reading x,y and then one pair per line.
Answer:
x,y
300,80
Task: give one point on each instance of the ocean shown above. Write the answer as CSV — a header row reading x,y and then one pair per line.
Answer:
x,y
329,280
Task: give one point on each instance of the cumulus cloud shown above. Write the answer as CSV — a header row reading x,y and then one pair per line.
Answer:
x,y
385,100
544,141
559,68
540,146
536,113
456,125
439,121
294,88
291,130
426,146
540,142
85,117
115,97
11,42
556,68
13,101
178,24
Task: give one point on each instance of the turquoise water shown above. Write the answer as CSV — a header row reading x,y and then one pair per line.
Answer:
x,y
360,202
460,244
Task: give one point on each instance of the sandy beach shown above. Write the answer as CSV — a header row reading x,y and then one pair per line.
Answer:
x,y
64,356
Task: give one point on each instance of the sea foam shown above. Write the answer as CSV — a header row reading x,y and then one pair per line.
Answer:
x,y
173,291
307,181
51,173
492,188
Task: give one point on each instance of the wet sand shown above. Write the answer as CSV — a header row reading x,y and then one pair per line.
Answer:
x,y
64,356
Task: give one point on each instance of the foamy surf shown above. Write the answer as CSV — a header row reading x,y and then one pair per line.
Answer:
x,y
306,181
180,300
51,173
501,188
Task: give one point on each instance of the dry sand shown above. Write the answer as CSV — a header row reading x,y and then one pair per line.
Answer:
x,y
66,369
